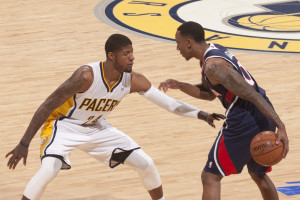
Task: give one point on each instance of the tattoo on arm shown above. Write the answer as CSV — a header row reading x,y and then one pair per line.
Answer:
x,y
235,83
76,83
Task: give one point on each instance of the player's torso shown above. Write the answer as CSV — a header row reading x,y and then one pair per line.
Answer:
x,y
226,97
97,102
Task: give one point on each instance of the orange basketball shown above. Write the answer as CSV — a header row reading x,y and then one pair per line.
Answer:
x,y
264,150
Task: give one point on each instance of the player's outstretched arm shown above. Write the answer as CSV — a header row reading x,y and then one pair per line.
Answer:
x,y
218,71
200,91
140,84
80,81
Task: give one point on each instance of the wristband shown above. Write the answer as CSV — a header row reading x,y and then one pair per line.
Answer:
x,y
23,144
205,118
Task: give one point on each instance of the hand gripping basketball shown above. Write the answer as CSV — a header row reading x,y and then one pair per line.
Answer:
x,y
264,149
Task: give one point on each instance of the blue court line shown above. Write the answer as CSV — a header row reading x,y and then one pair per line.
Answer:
x,y
293,182
290,190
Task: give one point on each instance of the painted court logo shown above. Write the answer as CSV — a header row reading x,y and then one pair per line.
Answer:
x,y
278,17
257,25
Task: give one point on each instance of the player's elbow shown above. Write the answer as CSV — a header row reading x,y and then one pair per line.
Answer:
x,y
208,97
211,98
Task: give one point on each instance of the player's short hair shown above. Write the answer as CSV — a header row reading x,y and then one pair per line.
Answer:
x,y
193,30
115,42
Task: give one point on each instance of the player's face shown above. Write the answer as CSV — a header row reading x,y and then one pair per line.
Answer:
x,y
124,59
183,45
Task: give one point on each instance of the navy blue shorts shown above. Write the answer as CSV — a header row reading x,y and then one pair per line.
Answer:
x,y
231,150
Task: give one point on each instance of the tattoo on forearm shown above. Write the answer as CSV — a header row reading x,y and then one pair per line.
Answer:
x,y
230,79
235,83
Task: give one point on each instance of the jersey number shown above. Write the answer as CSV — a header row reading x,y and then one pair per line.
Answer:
x,y
246,75
91,120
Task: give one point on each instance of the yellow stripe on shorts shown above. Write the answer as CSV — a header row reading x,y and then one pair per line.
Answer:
x,y
47,130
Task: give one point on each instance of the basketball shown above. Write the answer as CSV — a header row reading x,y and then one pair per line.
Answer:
x,y
264,150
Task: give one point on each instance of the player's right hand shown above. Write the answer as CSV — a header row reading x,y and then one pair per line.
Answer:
x,y
281,132
17,153
170,83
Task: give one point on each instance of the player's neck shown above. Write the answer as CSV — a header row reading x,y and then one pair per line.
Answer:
x,y
200,50
110,73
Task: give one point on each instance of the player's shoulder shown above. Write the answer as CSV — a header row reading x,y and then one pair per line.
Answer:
x,y
212,62
137,75
84,72
139,82
215,50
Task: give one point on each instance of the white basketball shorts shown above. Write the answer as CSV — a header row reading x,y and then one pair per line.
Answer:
x,y
99,141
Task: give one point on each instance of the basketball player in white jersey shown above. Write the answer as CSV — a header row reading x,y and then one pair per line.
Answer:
x,y
74,117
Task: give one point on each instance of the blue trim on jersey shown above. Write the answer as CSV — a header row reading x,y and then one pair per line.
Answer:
x,y
52,136
100,65
119,81
71,110
74,107
104,81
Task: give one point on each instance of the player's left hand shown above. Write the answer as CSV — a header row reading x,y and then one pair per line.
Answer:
x,y
214,116
18,153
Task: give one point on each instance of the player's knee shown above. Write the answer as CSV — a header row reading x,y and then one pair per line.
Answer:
x,y
204,177
140,161
149,166
150,176
146,168
252,174
50,167
145,165
48,170
256,172
256,178
210,178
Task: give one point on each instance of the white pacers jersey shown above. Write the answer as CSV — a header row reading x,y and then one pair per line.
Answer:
x,y
80,122
97,102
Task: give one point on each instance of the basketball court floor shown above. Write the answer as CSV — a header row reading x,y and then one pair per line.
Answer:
x,y
43,42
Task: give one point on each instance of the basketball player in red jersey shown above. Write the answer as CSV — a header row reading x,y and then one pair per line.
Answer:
x,y
248,111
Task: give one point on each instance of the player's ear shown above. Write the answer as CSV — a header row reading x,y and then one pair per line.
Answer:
x,y
111,56
189,43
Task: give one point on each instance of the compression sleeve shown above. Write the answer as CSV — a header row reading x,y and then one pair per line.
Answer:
x,y
170,104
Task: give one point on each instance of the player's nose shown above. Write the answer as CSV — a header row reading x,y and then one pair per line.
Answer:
x,y
131,57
